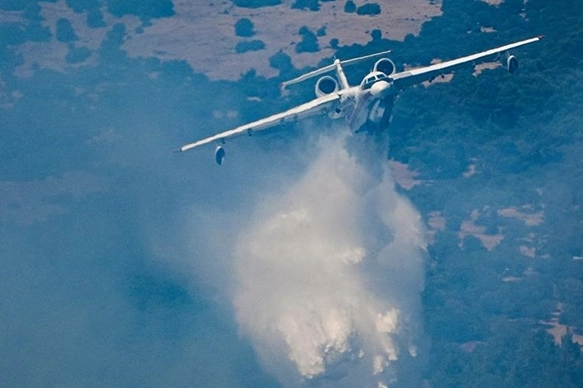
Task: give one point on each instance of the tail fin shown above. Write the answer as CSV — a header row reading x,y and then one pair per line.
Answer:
x,y
326,69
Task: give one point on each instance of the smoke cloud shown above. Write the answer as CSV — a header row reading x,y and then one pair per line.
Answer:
x,y
328,275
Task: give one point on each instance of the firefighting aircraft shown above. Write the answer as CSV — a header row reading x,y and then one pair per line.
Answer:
x,y
366,107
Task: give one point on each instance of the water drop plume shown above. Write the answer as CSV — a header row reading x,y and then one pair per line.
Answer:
x,y
328,275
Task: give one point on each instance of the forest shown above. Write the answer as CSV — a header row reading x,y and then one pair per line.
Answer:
x,y
486,311
483,308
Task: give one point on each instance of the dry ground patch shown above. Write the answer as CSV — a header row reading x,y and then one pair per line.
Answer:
x,y
203,34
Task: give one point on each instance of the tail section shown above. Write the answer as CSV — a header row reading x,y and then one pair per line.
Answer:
x,y
337,65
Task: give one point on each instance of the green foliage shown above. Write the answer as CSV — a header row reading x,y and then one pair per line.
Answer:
x,y
282,62
312,5
513,129
12,34
570,290
255,3
32,12
144,9
17,5
249,45
523,133
369,9
77,55
515,356
36,32
93,10
110,50
244,27
376,34
80,6
349,6
9,60
309,42
95,19
65,32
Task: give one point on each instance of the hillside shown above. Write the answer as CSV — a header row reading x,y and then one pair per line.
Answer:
x,y
110,277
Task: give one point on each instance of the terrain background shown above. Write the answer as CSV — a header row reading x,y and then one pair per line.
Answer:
x,y
94,95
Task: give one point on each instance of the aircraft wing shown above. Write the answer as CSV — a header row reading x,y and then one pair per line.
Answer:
x,y
322,104
414,76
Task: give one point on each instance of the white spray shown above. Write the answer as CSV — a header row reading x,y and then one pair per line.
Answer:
x,y
328,277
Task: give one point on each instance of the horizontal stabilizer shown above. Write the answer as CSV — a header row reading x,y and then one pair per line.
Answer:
x,y
326,69
364,58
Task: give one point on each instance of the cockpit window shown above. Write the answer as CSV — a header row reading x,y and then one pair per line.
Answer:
x,y
371,79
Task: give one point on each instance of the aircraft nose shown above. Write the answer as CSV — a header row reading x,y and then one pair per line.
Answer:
x,y
380,88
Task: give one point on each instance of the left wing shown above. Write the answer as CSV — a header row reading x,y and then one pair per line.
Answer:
x,y
414,76
319,105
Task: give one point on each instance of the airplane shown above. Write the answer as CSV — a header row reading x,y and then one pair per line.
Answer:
x,y
365,107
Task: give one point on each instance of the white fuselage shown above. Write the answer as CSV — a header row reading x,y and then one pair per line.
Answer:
x,y
368,106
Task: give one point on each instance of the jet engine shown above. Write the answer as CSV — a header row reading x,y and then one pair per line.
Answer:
x,y
385,65
220,155
326,85
511,64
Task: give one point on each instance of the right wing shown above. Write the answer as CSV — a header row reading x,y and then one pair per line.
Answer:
x,y
322,104
414,76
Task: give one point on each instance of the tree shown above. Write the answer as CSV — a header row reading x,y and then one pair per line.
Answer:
x,y
144,9
255,3
309,42
65,32
78,54
369,9
244,27
312,5
250,45
349,6
281,61
36,32
32,12
95,18
376,34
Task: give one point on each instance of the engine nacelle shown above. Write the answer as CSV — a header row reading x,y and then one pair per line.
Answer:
x,y
385,65
511,64
220,155
326,85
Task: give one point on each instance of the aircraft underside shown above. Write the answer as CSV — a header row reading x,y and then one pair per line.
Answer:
x,y
376,117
